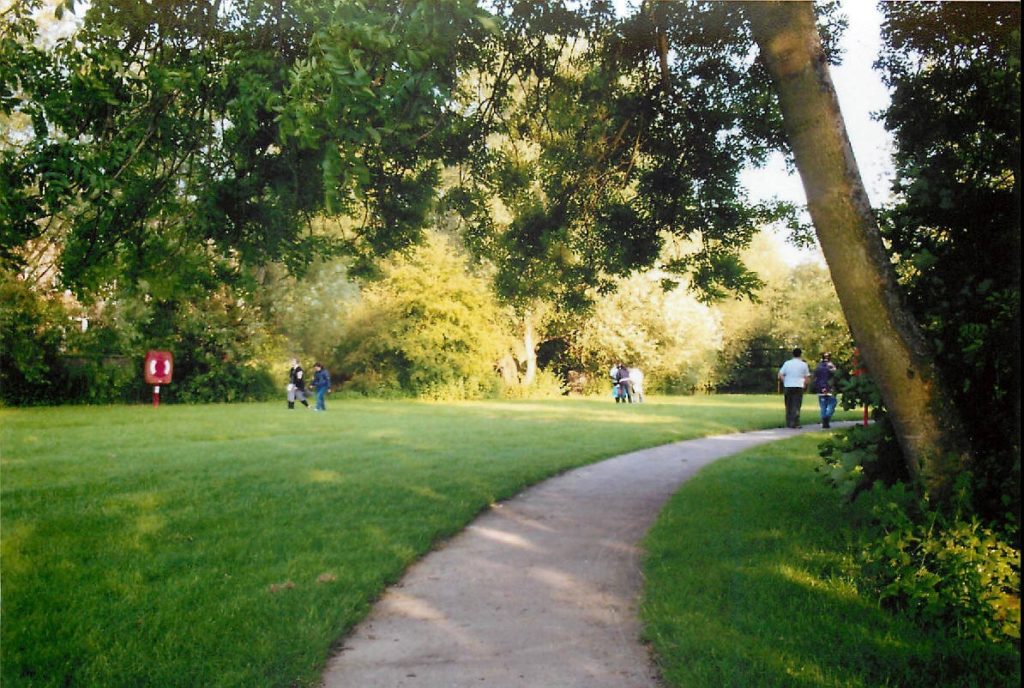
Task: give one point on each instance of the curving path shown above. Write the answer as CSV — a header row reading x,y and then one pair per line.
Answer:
x,y
540,590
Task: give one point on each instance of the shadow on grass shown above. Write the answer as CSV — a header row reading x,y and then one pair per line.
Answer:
x,y
750,583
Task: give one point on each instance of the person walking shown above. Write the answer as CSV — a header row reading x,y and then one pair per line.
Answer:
x,y
613,373
625,384
322,385
636,381
822,385
794,375
296,385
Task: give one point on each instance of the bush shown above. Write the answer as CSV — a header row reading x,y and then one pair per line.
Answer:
x,y
31,339
855,460
221,351
226,383
427,328
547,385
103,380
957,575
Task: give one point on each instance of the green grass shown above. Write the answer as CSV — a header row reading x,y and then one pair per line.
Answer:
x,y
750,582
140,545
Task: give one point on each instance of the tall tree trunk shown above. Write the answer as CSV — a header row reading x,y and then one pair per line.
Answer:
x,y
896,353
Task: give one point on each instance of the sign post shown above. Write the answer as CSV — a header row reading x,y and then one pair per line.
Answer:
x,y
158,369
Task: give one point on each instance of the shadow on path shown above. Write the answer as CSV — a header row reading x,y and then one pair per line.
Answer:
x,y
541,590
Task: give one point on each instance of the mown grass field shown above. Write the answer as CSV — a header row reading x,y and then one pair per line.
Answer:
x,y
233,545
750,582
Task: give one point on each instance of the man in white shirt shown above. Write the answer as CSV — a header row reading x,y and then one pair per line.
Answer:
x,y
794,375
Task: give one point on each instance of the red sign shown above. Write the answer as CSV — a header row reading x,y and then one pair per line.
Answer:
x,y
159,366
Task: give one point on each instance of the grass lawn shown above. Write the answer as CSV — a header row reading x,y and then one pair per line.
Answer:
x,y
233,545
749,583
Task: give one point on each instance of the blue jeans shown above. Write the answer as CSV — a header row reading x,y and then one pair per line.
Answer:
x,y
827,403
321,395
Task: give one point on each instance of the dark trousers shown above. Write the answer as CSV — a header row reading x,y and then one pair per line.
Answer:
x,y
626,391
794,399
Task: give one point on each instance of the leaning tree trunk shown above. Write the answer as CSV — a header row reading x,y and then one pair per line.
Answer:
x,y
897,355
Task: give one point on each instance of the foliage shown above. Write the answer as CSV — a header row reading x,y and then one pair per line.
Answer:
x,y
598,148
220,347
31,338
862,456
427,328
795,306
668,334
309,312
547,385
163,142
954,229
952,574
751,578
103,380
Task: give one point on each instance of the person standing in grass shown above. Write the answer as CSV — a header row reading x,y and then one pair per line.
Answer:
x,y
794,375
822,384
621,377
296,385
636,379
322,385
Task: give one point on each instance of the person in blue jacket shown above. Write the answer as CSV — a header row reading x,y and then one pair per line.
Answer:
x,y
823,386
322,385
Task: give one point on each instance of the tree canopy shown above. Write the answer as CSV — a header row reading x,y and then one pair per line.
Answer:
x,y
166,151
954,228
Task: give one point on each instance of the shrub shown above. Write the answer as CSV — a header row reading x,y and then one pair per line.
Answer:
x,y
957,575
31,339
854,460
427,328
226,383
597,386
103,380
547,385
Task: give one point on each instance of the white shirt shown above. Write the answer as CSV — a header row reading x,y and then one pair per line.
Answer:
x,y
794,373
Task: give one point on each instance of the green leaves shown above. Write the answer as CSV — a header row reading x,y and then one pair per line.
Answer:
x,y
428,327
954,226
954,574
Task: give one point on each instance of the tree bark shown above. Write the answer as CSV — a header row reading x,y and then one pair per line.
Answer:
x,y
897,355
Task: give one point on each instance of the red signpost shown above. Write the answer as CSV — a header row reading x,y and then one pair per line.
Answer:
x,y
158,369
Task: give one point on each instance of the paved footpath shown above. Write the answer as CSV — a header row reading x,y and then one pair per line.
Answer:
x,y
540,591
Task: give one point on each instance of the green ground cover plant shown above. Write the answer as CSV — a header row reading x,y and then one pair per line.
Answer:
x,y
233,545
752,580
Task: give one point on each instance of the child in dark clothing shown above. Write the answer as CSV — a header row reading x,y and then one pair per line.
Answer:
x,y
822,385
